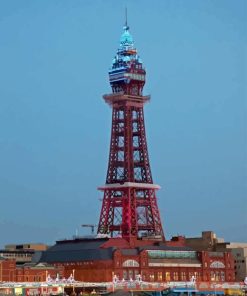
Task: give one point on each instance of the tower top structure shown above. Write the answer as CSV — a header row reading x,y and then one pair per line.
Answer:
x,y
127,74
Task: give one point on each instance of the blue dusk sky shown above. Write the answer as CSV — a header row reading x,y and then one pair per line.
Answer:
x,y
55,126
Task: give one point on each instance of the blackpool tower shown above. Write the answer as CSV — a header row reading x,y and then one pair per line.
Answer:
x,y
129,207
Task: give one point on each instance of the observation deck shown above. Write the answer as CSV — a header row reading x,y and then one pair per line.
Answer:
x,y
121,97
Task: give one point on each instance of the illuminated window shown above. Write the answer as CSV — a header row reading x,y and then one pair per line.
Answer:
x,y
183,276
171,254
175,276
217,264
160,277
168,276
151,277
130,263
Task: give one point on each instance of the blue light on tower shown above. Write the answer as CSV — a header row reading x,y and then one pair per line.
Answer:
x,y
127,74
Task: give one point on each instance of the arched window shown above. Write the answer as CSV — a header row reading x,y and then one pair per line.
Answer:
x,y
217,264
130,263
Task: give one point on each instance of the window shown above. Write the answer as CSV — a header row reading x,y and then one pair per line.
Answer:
x,y
136,272
217,276
217,264
175,276
130,263
125,274
131,274
171,254
183,276
160,276
168,276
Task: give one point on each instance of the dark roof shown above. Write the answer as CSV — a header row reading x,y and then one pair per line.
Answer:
x,y
129,252
77,250
36,256
85,249
78,244
79,255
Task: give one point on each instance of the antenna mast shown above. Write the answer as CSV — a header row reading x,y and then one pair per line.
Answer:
x,y
126,17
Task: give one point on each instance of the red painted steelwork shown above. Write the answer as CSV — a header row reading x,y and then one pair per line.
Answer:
x,y
129,205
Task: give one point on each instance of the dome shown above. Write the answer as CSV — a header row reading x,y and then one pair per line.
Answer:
x,y
126,38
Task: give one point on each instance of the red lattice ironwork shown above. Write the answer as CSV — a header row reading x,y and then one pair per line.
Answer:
x,y
129,205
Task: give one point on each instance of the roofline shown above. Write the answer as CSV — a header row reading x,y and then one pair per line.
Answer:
x,y
78,240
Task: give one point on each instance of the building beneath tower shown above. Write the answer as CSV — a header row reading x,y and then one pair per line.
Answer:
x,y
99,259
130,239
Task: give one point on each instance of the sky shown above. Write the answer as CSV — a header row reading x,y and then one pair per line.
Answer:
x,y
55,127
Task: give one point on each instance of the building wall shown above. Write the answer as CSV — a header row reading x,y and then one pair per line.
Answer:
x,y
7,270
10,272
209,242
37,274
88,271
19,256
206,242
210,266
240,262
217,266
239,252
27,246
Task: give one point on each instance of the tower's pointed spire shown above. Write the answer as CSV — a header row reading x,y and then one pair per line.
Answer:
x,y
126,39
126,19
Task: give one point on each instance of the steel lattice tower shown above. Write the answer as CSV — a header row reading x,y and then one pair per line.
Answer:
x,y
129,206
